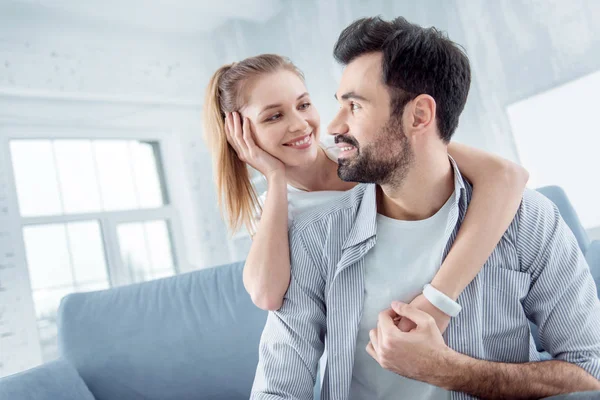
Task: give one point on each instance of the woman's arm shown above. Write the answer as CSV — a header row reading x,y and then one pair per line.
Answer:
x,y
267,268
498,186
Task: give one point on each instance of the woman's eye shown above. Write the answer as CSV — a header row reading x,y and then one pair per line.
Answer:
x,y
274,117
305,106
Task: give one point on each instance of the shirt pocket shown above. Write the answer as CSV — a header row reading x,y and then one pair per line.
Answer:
x,y
505,330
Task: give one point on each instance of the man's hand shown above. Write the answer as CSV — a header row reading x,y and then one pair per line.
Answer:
x,y
442,320
417,354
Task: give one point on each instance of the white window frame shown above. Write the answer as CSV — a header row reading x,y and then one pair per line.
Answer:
x,y
108,220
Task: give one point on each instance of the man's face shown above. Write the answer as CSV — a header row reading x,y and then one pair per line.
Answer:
x,y
374,147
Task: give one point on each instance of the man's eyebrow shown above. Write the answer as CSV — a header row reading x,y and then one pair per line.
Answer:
x,y
351,95
278,105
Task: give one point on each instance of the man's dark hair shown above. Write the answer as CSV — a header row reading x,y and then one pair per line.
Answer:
x,y
416,61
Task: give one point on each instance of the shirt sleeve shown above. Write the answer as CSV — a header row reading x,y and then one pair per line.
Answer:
x,y
562,300
292,341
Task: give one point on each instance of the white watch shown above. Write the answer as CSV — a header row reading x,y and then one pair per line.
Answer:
x,y
442,302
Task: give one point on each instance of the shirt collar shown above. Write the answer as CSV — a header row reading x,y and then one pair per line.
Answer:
x,y
365,196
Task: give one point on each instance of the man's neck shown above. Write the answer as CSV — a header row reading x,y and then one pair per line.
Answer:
x,y
421,194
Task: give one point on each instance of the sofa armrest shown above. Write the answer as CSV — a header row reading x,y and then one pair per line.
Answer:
x,y
50,381
593,259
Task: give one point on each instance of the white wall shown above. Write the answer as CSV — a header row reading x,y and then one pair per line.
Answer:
x,y
517,48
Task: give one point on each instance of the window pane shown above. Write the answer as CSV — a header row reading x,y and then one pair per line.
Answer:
x,y
159,244
87,251
134,253
146,249
77,176
92,287
115,174
162,273
46,306
35,176
146,174
47,255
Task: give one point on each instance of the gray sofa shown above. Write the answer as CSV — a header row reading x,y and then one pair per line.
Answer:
x,y
193,336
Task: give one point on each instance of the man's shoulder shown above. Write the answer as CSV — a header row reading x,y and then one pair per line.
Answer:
x,y
535,214
329,213
537,209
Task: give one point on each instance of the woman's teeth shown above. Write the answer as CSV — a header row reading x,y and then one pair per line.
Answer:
x,y
301,142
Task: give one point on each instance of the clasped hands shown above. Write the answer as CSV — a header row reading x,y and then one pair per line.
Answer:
x,y
408,339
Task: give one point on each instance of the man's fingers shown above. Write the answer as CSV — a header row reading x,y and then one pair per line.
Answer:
x,y
421,318
371,351
374,339
405,324
385,321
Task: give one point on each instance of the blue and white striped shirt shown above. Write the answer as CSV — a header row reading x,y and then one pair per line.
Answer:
x,y
537,272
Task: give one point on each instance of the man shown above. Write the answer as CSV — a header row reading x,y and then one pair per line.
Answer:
x,y
401,95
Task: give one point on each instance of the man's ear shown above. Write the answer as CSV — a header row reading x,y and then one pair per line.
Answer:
x,y
423,109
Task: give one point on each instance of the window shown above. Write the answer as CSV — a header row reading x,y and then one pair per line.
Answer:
x,y
557,138
95,214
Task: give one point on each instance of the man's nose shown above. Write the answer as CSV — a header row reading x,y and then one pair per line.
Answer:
x,y
338,126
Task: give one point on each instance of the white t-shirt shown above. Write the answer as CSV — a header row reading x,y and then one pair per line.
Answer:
x,y
407,255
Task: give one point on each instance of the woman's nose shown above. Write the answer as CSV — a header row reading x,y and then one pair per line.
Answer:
x,y
298,123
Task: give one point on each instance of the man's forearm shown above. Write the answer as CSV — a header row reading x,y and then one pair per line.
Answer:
x,y
495,380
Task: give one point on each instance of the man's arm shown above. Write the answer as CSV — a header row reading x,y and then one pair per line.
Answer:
x,y
422,355
494,380
562,301
293,338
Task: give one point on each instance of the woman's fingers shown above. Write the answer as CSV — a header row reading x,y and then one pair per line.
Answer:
x,y
235,132
238,133
247,135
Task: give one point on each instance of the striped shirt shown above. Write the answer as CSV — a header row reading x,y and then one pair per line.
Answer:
x,y
536,272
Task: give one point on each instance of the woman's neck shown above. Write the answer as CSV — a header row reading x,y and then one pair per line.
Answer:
x,y
318,176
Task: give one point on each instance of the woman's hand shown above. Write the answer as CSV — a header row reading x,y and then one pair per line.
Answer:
x,y
441,320
240,138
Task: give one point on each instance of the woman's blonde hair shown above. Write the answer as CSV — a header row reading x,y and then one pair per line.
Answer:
x,y
238,200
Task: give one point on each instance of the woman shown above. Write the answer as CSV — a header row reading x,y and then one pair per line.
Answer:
x,y
258,112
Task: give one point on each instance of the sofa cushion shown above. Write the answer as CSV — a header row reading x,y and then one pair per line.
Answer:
x,y
191,336
54,380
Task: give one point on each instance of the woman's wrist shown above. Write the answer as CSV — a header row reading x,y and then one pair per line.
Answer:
x,y
276,177
440,301
448,287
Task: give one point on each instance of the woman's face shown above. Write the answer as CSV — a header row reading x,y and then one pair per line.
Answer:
x,y
283,119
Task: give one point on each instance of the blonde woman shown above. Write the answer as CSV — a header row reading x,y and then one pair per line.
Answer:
x,y
258,112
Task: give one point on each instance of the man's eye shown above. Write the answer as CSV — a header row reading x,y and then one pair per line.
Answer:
x,y
354,106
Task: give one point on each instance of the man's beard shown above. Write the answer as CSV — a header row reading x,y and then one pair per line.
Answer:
x,y
385,161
